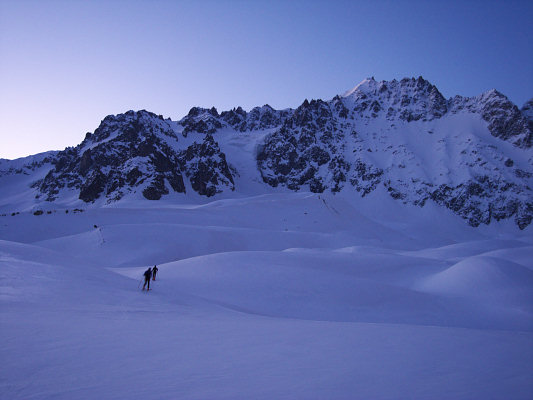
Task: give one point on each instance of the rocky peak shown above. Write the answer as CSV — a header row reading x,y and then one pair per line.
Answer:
x,y
409,99
136,152
266,117
236,118
313,114
201,120
504,119
206,167
417,99
130,126
259,118
527,110
367,85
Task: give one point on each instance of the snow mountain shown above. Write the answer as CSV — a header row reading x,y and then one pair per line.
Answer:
x,y
320,252
472,156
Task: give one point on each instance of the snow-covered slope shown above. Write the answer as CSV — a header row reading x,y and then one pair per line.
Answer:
x,y
286,295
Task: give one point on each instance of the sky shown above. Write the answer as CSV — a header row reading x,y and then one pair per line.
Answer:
x,y
65,65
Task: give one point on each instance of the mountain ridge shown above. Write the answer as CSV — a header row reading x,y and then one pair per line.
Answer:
x,y
471,155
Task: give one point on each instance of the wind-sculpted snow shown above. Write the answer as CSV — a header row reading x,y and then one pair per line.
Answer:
x,y
498,282
278,296
473,156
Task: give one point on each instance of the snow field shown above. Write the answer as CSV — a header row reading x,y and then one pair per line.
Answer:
x,y
277,296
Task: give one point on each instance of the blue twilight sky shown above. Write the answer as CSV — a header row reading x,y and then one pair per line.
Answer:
x,y
65,65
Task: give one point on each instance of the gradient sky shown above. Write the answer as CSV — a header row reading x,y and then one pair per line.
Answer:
x,y
65,65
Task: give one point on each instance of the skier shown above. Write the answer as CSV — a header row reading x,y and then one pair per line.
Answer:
x,y
154,272
147,275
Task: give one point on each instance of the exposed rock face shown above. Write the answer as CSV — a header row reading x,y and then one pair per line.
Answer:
x,y
407,100
201,120
259,118
505,121
366,139
483,199
294,154
527,109
135,151
206,167
527,112
473,156
93,186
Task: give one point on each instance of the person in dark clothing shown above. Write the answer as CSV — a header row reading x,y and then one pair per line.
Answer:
x,y
154,272
147,275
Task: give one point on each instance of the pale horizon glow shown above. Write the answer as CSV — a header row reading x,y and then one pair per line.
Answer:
x,y
65,65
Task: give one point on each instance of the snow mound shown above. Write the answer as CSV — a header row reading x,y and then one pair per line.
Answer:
x,y
459,251
487,278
